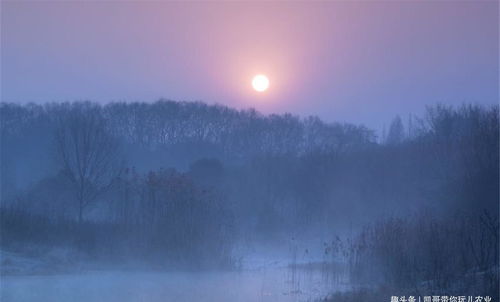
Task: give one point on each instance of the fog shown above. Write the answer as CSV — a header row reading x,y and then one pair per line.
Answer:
x,y
181,201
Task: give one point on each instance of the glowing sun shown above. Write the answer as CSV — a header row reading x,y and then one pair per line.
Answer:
x,y
260,83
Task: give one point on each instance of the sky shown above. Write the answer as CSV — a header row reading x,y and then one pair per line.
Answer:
x,y
348,61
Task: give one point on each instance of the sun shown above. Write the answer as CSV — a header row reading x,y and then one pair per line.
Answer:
x,y
260,83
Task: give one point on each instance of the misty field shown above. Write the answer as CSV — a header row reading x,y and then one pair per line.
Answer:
x,y
262,285
177,201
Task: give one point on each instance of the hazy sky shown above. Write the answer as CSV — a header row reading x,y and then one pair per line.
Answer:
x,y
349,61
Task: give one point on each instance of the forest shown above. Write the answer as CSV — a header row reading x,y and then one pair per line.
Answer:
x,y
191,186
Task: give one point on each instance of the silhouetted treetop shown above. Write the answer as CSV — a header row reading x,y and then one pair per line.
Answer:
x,y
167,123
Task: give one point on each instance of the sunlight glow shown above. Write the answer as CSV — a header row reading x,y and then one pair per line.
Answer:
x,y
260,83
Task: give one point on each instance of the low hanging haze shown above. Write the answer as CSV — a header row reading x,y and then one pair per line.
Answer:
x,y
355,61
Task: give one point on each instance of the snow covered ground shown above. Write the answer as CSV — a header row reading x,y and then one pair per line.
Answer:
x,y
256,285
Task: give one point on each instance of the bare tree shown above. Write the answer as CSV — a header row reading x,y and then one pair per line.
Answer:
x,y
87,153
396,132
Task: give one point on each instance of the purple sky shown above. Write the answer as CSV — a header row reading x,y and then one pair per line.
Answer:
x,y
361,62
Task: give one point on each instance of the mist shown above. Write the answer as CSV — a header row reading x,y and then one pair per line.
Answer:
x,y
186,201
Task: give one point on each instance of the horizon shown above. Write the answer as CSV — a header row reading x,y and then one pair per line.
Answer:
x,y
362,63
378,133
